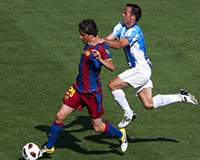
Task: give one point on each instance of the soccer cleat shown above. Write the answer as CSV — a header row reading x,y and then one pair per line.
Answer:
x,y
123,139
48,150
187,97
126,120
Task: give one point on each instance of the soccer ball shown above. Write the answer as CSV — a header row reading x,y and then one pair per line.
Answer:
x,y
31,151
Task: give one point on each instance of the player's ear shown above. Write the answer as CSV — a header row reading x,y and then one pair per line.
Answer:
x,y
133,17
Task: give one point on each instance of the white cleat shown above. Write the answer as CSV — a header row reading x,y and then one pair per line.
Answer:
x,y
127,120
123,139
188,97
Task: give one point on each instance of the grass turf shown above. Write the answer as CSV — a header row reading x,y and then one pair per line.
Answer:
x,y
39,55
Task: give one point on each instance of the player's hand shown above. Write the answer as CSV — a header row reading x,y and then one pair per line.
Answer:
x,y
96,54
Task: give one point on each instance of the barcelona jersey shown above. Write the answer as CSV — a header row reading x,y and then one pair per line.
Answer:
x,y
88,79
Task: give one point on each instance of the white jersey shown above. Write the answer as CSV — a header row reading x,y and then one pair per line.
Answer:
x,y
136,50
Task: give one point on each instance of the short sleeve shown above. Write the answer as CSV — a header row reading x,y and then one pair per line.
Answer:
x,y
117,30
105,52
132,36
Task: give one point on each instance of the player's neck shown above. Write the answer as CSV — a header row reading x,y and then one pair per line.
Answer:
x,y
130,24
92,41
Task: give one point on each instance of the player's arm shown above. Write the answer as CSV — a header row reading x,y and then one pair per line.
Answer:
x,y
117,43
113,39
110,37
106,62
113,42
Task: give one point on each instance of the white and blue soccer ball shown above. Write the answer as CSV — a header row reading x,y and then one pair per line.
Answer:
x,y
31,151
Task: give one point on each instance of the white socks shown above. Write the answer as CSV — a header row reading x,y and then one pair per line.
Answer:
x,y
158,100
163,100
120,97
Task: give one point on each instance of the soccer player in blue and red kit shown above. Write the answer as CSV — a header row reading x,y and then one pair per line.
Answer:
x,y
87,91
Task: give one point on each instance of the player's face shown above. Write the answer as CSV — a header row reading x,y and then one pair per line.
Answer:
x,y
128,18
84,37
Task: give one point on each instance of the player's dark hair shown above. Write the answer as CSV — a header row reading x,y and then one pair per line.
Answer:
x,y
136,10
88,26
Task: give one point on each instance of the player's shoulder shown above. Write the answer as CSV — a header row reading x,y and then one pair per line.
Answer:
x,y
134,30
102,46
104,49
136,27
119,25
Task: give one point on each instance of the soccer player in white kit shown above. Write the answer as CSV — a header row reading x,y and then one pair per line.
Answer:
x,y
128,35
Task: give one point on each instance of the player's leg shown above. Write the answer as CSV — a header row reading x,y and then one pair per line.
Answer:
x,y
162,100
116,86
56,128
94,104
145,96
71,101
109,130
183,96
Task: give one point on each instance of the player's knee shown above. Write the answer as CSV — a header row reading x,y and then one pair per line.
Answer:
x,y
148,105
111,86
59,117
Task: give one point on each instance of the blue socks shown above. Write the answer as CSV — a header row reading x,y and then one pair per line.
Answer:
x,y
53,134
112,131
56,128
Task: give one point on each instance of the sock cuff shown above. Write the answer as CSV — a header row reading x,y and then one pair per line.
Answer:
x,y
118,92
58,124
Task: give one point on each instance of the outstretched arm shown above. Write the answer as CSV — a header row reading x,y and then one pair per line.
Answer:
x,y
110,37
119,43
113,42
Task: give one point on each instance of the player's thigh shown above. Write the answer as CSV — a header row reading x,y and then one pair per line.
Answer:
x,y
117,83
64,111
94,104
136,77
133,77
71,101
145,96
98,124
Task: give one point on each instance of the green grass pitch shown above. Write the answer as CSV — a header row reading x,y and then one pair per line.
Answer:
x,y
39,56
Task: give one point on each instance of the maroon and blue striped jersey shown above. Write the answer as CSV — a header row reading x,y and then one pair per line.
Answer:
x,y
88,79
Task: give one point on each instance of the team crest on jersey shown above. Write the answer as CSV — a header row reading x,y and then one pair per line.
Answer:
x,y
87,53
69,93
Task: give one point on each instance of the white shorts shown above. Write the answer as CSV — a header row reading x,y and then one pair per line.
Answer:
x,y
138,77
